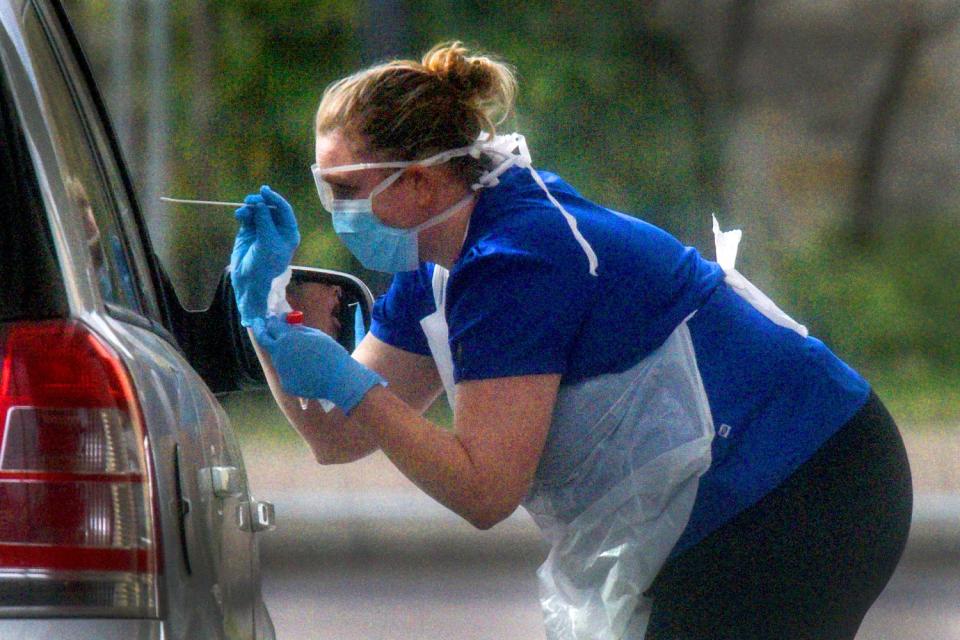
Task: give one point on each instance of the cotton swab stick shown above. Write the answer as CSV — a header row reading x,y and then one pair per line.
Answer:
x,y
215,203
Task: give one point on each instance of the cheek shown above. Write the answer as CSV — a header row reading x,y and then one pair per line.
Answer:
x,y
431,235
396,208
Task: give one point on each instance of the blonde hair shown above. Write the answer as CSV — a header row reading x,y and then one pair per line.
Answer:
x,y
408,110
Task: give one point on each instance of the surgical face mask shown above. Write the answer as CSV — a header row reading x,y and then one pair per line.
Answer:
x,y
384,248
376,245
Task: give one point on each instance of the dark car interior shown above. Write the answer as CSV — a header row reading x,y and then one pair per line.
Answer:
x,y
33,288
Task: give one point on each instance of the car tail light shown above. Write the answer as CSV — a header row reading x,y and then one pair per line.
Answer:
x,y
77,530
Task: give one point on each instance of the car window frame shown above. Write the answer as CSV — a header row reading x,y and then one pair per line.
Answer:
x,y
47,296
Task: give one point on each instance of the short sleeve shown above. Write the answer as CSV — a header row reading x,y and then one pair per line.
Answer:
x,y
397,313
515,313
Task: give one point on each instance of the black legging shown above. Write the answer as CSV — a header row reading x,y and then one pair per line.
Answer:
x,y
809,559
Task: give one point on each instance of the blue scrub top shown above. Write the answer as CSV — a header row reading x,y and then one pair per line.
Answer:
x,y
521,301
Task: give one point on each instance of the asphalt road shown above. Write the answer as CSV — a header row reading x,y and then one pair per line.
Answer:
x,y
922,601
370,595
359,553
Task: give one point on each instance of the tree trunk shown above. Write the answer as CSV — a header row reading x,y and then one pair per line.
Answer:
x,y
865,216
203,29
385,34
740,25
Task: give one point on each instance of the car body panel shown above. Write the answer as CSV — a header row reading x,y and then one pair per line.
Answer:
x,y
99,628
207,559
209,577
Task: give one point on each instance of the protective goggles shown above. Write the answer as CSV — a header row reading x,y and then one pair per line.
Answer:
x,y
325,189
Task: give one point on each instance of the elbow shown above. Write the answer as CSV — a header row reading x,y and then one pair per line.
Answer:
x,y
483,522
489,516
489,503
329,456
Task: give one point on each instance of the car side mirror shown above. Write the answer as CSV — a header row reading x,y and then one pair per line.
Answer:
x,y
219,347
334,302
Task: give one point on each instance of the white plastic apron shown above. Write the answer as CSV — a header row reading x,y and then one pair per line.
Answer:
x,y
438,334
726,243
602,561
618,476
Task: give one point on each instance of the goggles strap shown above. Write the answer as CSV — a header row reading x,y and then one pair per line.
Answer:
x,y
510,149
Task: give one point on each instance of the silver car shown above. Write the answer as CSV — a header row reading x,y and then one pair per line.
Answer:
x,y
124,505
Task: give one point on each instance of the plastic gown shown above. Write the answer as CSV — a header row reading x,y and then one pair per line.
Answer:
x,y
618,476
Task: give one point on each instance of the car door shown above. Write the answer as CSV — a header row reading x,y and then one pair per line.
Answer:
x,y
228,507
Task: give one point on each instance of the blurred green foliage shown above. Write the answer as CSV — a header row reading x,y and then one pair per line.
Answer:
x,y
618,127
605,100
891,309
270,63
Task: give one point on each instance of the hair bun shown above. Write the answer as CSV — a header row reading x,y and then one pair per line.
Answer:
x,y
451,64
483,83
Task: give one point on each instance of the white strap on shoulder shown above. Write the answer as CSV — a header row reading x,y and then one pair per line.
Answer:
x,y
572,222
511,150
440,275
727,243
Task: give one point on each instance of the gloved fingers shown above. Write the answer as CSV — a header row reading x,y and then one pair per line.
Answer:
x,y
283,213
246,235
245,213
262,333
266,229
277,326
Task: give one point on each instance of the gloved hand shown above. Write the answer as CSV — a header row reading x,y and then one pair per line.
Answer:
x,y
311,364
263,248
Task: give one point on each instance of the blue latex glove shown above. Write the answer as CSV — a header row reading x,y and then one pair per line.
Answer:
x,y
311,364
263,248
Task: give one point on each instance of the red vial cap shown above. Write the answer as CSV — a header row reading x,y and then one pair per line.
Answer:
x,y
295,317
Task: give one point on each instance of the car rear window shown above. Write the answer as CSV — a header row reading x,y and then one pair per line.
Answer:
x,y
31,286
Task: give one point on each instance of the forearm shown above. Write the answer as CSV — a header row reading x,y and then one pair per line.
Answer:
x,y
332,437
433,458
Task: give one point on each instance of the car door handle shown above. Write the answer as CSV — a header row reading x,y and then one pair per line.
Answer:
x,y
255,516
264,516
183,507
225,481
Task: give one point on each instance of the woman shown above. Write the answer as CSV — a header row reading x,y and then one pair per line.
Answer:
x,y
701,469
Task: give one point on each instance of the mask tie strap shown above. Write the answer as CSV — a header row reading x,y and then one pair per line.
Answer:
x,y
442,216
492,178
380,188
